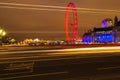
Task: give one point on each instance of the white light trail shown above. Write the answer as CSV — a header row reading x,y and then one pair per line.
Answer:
x,y
31,5
93,52
55,8
12,7
60,7
36,32
44,9
93,48
73,51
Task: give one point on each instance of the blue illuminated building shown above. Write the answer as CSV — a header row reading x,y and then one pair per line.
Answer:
x,y
87,39
104,34
104,23
107,22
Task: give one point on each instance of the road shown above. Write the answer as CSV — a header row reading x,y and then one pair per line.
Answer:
x,y
96,63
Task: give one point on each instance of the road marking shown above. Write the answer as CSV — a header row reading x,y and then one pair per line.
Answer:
x,y
45,74
56,59
107,68
15,73
19,66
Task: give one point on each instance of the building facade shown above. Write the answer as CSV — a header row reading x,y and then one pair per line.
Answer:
x,y
108,34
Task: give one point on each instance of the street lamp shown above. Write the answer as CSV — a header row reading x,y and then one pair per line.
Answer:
x,y
2,33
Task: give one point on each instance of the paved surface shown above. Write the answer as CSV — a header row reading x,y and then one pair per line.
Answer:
x,y
60,64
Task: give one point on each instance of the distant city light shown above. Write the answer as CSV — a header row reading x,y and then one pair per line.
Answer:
x,y
36,40
4,33
0,31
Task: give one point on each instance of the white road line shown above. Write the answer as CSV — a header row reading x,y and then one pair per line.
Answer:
x,y
107,68
15,73
56,59
45,74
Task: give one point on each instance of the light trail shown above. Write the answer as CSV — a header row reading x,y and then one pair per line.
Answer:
x,y
69,53
43,9
93,48
35,75
31,5
72,51
55,8
60,7
12,7
36,32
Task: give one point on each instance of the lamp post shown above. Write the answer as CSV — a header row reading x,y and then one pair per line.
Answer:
x,y
2,33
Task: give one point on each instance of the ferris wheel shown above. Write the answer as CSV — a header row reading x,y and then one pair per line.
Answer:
x,y
72,38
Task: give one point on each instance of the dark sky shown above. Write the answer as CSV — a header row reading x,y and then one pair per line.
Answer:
x,y
25,22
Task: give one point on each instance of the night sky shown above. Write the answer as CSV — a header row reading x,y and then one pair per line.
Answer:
x,y
40,19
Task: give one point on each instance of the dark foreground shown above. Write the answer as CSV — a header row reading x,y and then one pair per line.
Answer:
x,y
50,66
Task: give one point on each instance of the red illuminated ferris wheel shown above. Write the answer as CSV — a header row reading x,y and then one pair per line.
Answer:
x,y
72,38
